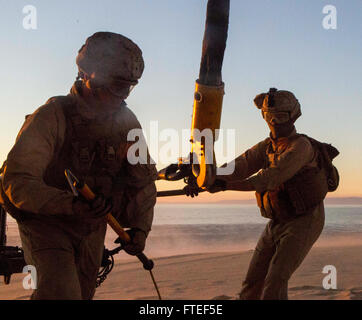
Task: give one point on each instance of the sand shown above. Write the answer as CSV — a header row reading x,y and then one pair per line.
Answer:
x,y
219,276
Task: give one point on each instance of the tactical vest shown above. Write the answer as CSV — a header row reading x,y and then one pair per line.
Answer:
x,y
300,194
90,151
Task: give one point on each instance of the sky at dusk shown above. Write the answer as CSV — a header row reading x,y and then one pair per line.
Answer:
x,y
279,43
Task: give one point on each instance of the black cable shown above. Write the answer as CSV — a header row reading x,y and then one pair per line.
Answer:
x,y
106,268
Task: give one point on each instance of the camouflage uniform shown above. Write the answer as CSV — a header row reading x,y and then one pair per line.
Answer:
x,y
288,237
283,244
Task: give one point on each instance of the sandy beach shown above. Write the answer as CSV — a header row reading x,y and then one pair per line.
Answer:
x,y
209,261
219,276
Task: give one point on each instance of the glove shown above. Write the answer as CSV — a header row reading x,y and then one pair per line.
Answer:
x,y
137,244
96,209
218,185
191,190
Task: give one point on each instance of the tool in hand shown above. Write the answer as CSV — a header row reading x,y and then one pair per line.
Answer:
x,y
82,188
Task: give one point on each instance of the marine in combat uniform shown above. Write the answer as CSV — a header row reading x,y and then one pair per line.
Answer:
x,y
86,132
290,186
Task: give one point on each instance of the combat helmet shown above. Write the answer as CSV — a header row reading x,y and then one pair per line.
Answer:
x,y
110,60
278,106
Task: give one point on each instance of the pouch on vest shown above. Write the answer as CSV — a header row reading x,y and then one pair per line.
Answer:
x,y
263,201
305,190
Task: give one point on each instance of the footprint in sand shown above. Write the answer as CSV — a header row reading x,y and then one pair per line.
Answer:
x,y
303,288
356,293
147,298
315,290
333,294
222,297
176,284
23,297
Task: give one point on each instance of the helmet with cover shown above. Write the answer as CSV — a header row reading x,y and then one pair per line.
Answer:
x,y
278,106
110,60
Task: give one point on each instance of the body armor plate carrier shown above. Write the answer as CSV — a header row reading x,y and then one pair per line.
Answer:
x,y
305,190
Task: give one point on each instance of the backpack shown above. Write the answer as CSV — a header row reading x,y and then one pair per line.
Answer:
x,y
326,155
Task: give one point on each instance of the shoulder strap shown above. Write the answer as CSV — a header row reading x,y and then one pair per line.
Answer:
x,y
330,151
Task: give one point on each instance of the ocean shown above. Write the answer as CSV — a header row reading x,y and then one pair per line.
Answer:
x,y
198,228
